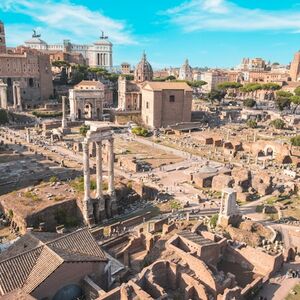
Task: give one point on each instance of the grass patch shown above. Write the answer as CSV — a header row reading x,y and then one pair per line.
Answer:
x,y
296,290
32,196
78,184
53,179
176,205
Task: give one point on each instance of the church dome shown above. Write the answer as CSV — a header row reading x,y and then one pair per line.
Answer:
x,y
186,71
143,70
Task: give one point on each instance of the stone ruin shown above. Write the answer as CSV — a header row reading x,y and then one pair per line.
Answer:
x,y
98,209
229,212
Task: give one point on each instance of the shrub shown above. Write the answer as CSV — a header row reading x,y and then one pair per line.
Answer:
x,y
140,131
295,140
84,129
249,103
213,221
53,179
252,123
278,123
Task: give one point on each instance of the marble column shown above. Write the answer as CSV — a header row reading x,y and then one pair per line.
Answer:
x,y
3,95
99,170
86,171
28,139
87,210
64,119
15,96
111,186
19,98
101,213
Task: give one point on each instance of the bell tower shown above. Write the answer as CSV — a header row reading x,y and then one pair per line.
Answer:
x,y
2,38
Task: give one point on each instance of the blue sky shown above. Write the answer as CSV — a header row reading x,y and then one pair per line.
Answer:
x,y
214,33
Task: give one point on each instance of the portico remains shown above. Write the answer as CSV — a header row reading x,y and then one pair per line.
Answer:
x,y
95,210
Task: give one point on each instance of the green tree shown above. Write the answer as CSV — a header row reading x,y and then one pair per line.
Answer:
x,y
251,89
229,85
283,99
84,129
249,102
217,95
197,83
252,123
295,140
278,123
296,101
171,77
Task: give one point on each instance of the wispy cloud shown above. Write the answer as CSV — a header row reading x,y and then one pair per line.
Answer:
x,y
223,15
66,19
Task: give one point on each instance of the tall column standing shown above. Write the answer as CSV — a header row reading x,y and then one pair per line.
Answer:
x,y
86,170
3,95
99,170
64,119
111,186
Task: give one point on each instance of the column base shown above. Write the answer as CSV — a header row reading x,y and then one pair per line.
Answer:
x,y
88,215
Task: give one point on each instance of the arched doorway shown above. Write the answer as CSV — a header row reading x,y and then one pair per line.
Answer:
x,y
88,111
69,292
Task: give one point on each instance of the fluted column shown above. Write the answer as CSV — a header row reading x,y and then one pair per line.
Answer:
x,y
111,185
86,171
99,170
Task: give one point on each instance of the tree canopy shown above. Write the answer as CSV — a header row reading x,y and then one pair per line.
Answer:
x,y
278,123
249,102
252,123
229,85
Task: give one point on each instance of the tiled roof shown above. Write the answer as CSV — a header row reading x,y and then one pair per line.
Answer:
x,y
47,262
29,269
158,86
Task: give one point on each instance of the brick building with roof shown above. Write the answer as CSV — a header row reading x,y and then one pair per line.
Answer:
x,y
54,266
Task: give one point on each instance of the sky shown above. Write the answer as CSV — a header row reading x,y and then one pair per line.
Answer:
x,y
213,33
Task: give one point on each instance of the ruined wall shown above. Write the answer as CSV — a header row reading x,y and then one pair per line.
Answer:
x,y
262,263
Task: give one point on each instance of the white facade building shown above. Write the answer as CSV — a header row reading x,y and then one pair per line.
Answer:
x,y
99,54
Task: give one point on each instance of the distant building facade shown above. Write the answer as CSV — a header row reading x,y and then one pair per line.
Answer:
x,y
252,64
129,95
295,67
166,103
86,101
99,54
213,78
186,71
27,76
125,68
